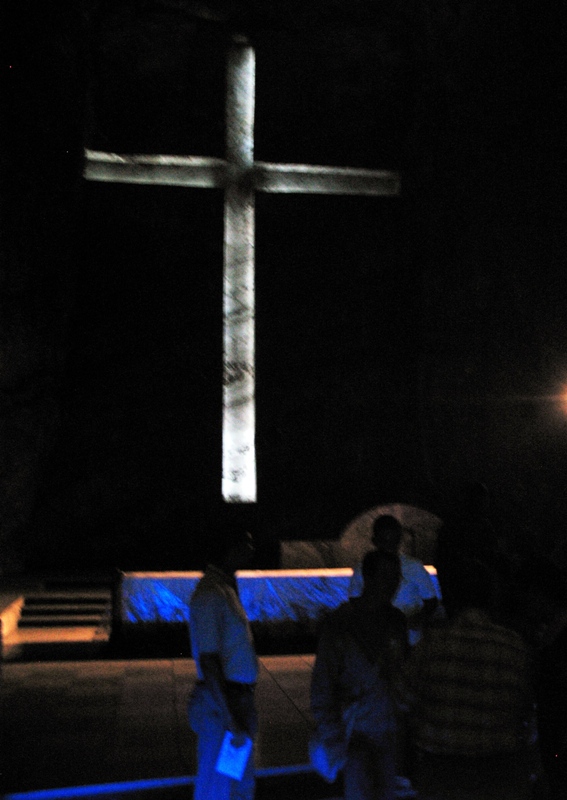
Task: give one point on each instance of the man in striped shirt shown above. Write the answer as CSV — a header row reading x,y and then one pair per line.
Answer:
x,y
471,701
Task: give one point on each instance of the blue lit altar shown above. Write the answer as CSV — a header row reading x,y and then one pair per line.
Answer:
x,y
281,604
268,596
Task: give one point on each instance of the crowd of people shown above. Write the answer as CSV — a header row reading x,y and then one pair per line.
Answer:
x,y
440,690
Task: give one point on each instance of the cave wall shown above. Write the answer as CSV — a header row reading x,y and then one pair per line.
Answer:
x,y
404,347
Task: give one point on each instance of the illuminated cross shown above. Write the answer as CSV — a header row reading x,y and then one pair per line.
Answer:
x,y
240,177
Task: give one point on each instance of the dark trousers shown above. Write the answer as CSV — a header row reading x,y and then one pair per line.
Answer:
x,y
207,722
370,769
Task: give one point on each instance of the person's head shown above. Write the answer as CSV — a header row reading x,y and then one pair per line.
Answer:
x,y
381,574
232,547
387,534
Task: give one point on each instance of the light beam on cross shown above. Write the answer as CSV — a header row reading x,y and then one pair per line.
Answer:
x,y
240,177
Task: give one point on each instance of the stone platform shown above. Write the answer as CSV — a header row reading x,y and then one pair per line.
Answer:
x,y
118,727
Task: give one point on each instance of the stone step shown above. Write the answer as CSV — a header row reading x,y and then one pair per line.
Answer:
x,y
57,620
70,608
65,606
69,595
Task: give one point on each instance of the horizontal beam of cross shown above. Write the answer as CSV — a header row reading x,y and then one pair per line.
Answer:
x,y
216,173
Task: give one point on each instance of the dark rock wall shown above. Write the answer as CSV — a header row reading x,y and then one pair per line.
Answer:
x,y
43,79
405,346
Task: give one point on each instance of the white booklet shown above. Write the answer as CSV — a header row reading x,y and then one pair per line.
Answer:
x,y
232,760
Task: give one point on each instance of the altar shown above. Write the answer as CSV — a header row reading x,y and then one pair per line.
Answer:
x,y
268,596
284,606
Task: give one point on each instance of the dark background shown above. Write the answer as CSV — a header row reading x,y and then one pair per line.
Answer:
x,y
405,347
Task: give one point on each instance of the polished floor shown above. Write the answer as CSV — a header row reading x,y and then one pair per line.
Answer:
x,y
81,720
96,725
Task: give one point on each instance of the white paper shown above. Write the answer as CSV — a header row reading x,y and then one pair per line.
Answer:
x,y
232,760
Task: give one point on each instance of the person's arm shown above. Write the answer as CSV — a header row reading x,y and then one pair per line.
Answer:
x,y
395,656
425,613
410,673
425,589
214,679
325,691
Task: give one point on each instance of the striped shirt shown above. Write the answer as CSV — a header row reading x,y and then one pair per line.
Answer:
x,y
468,680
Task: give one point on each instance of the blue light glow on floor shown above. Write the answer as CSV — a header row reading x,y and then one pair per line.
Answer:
x,y
123,787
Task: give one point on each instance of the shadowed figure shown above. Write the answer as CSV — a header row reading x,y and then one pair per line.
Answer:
x,y
471,698
354,696
416,595
227,668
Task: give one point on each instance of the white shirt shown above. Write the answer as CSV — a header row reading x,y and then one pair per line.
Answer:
x,y
218,624
415,587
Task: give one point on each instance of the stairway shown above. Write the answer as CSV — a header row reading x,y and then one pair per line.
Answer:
x,y
67,607
62,618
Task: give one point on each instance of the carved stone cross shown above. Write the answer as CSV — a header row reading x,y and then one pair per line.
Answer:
x,y
240,177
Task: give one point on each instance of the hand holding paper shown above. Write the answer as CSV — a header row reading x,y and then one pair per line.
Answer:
x,y
234,754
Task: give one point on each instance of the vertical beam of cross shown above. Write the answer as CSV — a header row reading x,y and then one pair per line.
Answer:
x,y
239,412
240,176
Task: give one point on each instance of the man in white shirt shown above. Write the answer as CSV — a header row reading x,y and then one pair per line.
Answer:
x,y
227,669
417,595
